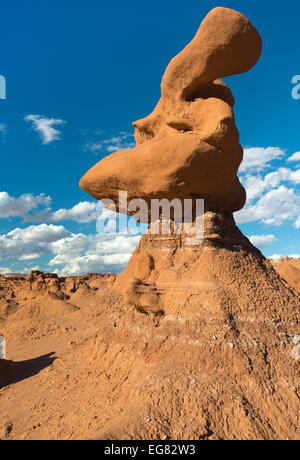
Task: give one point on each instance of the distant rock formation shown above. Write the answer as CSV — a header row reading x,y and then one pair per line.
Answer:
x,y
42,296
289,269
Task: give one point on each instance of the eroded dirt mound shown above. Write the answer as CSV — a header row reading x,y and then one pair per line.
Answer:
x,y
108,370
31,304
289,269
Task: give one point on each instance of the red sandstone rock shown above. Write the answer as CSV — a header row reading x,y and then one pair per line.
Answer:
x,y
189,146
188,342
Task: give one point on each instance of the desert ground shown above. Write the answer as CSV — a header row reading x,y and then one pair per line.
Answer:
x,y
192,341
83,366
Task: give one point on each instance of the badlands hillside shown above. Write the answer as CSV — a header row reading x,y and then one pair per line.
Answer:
x,y
289,269
194,340
81,365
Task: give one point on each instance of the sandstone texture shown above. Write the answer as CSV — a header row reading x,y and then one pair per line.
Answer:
x,y
189,342
189,146
289,269
219,367
219,361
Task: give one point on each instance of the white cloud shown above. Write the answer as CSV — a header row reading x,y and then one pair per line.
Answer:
x,y
20,207
27,270
295,176
294,157
89,263
30,240
3,129
5,271
80,253
275,257
29,256
259,158
274,208
279,256
262,241
273,197
256,185
94,147
71,253
122,141
83,212
38,234
297,222
45,127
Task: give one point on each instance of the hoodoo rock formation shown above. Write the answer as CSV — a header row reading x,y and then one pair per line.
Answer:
x,y
190,341
189,145
224,316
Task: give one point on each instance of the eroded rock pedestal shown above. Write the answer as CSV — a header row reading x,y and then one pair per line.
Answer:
x,y
225,276
189,145
198,343
203,343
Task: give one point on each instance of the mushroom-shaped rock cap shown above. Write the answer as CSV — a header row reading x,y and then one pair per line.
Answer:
x,y
225,44
189,145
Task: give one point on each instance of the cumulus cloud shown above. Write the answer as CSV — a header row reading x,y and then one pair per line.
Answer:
x,y
21,206
262,241
274,208
35,208
83,212
79,253
45,127
93,253
294,157
279,256
27,270
272,197
259,158
5,271
256,184
70,253
24,242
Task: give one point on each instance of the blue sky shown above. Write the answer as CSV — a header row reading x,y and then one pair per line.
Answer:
x,y
78,73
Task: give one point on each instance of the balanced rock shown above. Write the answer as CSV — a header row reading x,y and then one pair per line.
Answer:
x,y
206,336
189,146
